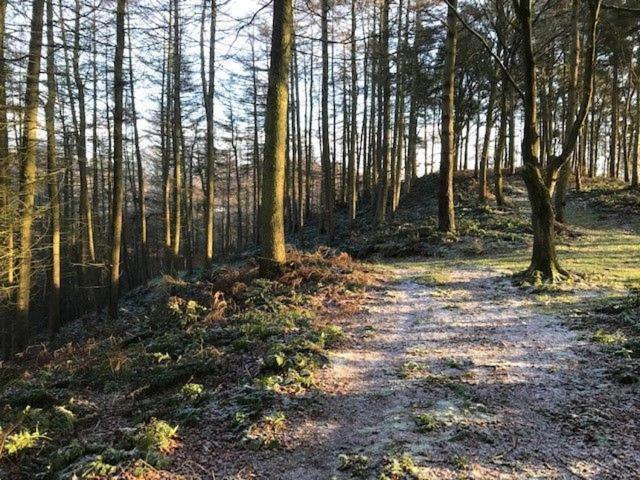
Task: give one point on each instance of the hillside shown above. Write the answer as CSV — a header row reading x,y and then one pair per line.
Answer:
x,y
416,365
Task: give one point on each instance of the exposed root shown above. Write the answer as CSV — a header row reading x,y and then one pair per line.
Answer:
x,y
536,276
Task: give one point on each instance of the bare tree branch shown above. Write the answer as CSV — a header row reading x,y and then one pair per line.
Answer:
x,y
484,42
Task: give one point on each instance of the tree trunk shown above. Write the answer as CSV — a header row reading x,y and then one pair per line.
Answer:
x,y
544,261
502,139
165,126
484,157
178,153
118,178
352,172
272,213
6,270
208,92
327,171
52,174
613,139
446,211
144,248
28,179
636,150
572,110
88,248
385,94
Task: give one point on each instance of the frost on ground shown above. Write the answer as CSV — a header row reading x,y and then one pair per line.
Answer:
x,y
466,379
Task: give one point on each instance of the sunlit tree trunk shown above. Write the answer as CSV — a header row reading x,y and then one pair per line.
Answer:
x,y
613,138
636,151
178,153
165,133
28,170
500,148
272,212
385,118
300,148
6,238
88,248
539,181
208,90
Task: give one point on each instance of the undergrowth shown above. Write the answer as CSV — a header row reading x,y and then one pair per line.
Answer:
x,y
614,323
220,348
413,229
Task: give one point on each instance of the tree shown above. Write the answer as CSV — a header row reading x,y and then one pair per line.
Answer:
x,y
328,199
572,108
540,181
208,91
385,119
446,211
118,180
52,173
6,270
28,170
272,210
144,247
177,140
352,173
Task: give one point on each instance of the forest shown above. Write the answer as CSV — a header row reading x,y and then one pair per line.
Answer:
x,y
319,239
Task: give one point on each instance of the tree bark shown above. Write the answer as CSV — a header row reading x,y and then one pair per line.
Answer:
x,y
118,177
6,269
208,91
352,172
52,174
88,247
484,157
144,247
385,120
613,139
544,260
272,212
328,195
28,171
500,148
572,110
177,142
446,211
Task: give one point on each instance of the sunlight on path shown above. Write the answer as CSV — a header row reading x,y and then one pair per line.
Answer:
x,y
466,376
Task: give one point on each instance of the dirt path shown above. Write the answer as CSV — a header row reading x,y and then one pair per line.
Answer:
x,y
470,380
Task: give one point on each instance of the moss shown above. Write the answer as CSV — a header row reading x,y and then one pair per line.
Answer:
x,y
400,468
155,436
356,465
608,338
22,440
427,422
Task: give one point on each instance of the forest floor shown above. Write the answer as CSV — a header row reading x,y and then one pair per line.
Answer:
x,y
465,378
458,373
431,366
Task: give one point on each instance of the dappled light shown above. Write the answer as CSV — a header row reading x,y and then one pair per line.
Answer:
x,y
319,240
